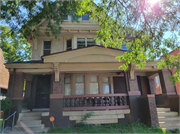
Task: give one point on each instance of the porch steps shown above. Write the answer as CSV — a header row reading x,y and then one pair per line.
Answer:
x,y
30,122
99,117
168,119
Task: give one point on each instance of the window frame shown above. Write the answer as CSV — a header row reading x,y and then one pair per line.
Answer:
x,y
50,46
68,83
94,82
109,83
85,20
86,45
80,82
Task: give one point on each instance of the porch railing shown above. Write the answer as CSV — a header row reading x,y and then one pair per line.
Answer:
x,y
95,102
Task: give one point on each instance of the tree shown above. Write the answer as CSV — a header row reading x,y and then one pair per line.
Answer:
x,y
15,47
139,24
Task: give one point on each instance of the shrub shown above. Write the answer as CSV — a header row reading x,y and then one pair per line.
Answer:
x,y
6,105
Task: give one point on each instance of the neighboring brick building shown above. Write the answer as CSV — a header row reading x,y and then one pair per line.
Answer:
x,y
176,52
4,76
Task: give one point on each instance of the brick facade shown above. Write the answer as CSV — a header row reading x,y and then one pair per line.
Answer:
x,y
152,85
148,111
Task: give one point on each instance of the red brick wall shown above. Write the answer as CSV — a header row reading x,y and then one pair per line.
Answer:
x,y
175,52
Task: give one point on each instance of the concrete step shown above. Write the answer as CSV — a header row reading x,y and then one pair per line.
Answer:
x,y
99,112
104,121
24,118
40,110
97,117
173,118
167,114
31,114
31,127
169,124
171,128
32,122
163,109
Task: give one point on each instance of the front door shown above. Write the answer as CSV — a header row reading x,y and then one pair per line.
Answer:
x,y
43,92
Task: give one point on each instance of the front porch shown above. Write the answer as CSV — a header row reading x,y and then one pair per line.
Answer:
x,y
88,80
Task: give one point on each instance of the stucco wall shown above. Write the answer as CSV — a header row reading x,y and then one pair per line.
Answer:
x,y
56,46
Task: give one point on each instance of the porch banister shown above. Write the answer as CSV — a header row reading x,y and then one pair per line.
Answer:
x,y
95,102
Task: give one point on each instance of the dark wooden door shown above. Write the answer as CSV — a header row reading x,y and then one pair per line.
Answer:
x,y
43,92
119,85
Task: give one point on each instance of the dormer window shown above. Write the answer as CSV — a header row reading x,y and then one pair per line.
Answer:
x,y
47,48
85,17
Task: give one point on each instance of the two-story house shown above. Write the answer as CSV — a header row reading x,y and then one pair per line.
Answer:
x,y
75,75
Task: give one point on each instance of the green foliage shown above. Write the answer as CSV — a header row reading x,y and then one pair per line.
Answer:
x,y
146,23
88,115
15,47
135,127
6,105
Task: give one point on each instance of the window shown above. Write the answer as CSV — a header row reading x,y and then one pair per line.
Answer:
x,y
85,17
79,84
47,47
69,45
90,41
83,42
106,85
94,85
65,17
157,81
67,86
73,17
80,42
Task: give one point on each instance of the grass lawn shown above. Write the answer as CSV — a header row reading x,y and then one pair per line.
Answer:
x,y
113,128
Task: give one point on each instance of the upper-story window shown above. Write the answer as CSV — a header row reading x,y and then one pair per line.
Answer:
x,y
69,45
84,42
73,16
81,42
85,17
65,17
47,48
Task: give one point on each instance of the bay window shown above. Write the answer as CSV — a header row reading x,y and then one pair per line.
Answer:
x,y
80,42
67,86
106,86
94,85
79,85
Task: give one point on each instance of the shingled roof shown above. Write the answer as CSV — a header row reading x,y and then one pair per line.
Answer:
x,y
4,74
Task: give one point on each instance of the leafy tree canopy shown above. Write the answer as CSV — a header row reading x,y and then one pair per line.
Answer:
x,y
140,24
15,47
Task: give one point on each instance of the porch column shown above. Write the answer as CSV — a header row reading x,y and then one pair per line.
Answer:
x,y
28,90
17,93
148,111
152,85
133,93
56,103
167,86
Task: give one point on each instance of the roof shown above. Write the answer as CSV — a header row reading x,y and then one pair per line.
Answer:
x,y
31,61
123,49
4,74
